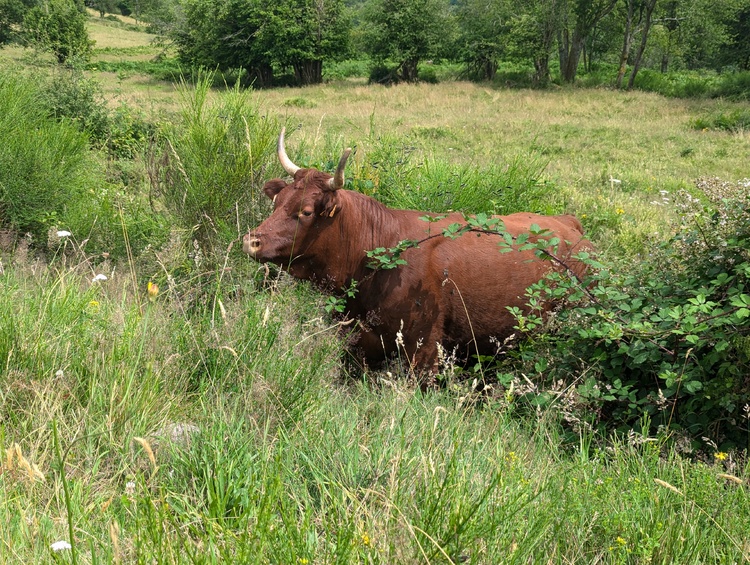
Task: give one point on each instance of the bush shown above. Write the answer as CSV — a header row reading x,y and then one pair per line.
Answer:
x,y
736,120
351,68
383,74
212,166
667,339
43,163
69,95
59,27
734,86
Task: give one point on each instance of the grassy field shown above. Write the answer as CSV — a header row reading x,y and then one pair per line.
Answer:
x,y
216,423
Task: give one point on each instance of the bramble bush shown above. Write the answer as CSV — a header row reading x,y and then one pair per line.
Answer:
x,y
666,339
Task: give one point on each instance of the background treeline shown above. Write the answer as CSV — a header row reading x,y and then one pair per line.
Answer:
x,y
520,42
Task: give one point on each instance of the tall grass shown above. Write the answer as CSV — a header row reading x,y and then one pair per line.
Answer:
x,y
212,421
213,162
231,438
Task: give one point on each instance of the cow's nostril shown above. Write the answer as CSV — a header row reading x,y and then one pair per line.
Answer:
x,y
251,244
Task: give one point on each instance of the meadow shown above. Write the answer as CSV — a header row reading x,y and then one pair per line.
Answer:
x,y
191,407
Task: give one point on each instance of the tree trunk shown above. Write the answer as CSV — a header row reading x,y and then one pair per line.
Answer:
x,y
627,42
308,72
650,5
541,68
261,76
562,48
572,57
409,70
588,16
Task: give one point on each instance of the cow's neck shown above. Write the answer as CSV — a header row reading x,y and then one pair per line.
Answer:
x,y
338,256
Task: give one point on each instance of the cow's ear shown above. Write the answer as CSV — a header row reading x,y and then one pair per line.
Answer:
x,y
331,204
273,187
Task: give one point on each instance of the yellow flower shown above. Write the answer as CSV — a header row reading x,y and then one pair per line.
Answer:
x,y
620,541
302,561
366,541
720,456
153,291
619,211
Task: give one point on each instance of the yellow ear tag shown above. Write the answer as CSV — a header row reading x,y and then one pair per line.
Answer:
x,y
333,211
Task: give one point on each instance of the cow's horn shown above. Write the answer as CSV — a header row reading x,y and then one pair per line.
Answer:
x,y
338,177
286,162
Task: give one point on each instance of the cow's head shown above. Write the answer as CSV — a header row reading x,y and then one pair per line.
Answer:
x,y
302,209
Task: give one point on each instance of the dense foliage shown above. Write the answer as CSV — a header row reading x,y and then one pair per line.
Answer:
x,y
58,26
262,37
666,339
212,164
267,43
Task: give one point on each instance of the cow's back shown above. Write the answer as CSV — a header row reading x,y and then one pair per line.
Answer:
x,y
476,279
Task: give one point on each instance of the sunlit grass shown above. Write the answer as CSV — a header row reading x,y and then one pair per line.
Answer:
x,y
209,419
232,440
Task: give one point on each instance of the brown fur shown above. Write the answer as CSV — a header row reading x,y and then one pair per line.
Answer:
x,y
452,292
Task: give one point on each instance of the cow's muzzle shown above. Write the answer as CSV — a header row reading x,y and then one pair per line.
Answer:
x,y
251,244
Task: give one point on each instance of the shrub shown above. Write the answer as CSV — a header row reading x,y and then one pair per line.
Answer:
x,y
734,86
666,339
213,163
43,163
351,68
382,73
60,27
734,120
69,95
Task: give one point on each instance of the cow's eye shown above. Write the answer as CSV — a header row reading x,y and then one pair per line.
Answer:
x,y
306,213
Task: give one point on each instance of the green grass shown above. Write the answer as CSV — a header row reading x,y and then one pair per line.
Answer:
x,y
215,422
230,437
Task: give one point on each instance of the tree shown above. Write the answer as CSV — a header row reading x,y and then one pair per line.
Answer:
x,y
304,33
737,51
102,6
483,27
405,32
533,32
648,8
260,35
60,27
578,22
703,29
638,20
11,16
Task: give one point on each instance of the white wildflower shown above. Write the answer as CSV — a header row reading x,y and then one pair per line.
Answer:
x,y
63,233
99,278
60,545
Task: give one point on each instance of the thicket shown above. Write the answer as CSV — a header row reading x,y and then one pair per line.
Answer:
x,y
663,342
59,159
211,165
555,41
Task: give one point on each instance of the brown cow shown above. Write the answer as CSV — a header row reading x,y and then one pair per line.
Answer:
x,y
453,292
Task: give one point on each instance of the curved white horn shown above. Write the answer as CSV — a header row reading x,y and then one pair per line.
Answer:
x,y
338,178
286,162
